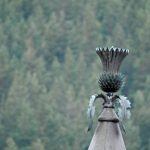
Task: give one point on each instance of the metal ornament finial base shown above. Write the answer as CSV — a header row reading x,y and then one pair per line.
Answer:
x,y
107,135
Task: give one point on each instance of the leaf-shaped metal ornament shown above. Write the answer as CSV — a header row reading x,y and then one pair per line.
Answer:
x,y
91,111
123,108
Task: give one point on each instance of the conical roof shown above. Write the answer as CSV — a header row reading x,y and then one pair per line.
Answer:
x,y
107,135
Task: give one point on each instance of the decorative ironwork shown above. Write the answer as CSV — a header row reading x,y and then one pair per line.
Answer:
x,y
112,58
110,81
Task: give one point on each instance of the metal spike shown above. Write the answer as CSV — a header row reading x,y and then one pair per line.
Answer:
x,y
107,49
114,49
100,49
97,49
124,50
119,49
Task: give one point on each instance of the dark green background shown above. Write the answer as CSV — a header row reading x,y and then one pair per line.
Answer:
x,y
49,69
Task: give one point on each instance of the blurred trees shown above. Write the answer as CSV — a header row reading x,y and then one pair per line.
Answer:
x,y
49,69
37,145
10,144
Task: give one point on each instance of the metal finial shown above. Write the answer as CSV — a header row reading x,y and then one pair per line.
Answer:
x,y
116,108
112,58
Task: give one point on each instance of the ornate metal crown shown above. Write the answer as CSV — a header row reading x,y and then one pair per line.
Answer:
x,y
111,81
111,58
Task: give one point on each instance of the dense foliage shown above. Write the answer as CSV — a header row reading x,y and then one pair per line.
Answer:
x,y
49,69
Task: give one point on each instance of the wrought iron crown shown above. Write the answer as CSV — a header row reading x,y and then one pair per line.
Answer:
x,y
111,58
111,80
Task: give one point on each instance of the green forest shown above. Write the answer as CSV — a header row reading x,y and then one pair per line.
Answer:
x,y
49,69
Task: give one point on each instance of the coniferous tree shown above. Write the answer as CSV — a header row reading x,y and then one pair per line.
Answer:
x,y
37,145
10,144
